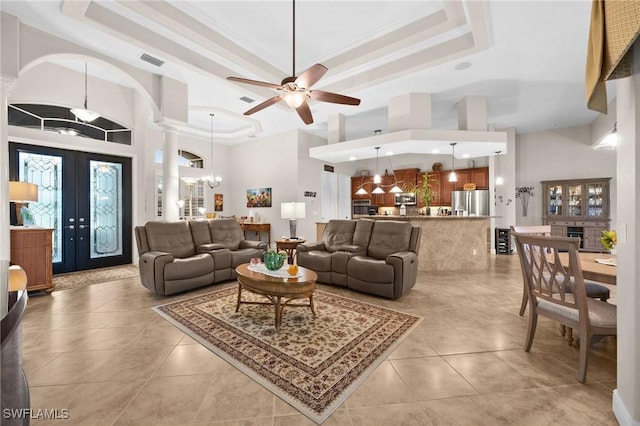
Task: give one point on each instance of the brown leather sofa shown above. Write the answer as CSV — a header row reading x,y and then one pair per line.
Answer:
x,y
376,257
183,255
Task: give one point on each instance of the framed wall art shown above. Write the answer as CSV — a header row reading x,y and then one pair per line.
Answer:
x,y
218,202
260,197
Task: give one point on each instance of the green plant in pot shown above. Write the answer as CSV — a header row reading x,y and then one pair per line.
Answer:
x,y
424,190
274,260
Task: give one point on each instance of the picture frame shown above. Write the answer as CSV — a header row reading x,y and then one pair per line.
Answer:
x,y
218,202
259,197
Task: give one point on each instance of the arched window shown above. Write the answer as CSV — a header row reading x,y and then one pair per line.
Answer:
x,y
52,118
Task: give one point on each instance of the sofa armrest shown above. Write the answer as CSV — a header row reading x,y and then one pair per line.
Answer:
x,y
206,248
152,265
405,271
253,244
353,249
311,247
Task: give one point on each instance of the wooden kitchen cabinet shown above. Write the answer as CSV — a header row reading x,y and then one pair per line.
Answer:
x,y
31,248
480,176
407,176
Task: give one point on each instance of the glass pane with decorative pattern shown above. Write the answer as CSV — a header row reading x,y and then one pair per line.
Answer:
x,y
555,200
595,200
575,200
46,172
105,208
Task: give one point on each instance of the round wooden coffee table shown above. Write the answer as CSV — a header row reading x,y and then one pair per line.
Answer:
x,y
279,291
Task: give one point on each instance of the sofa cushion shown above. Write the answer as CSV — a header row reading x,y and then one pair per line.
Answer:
x,y
362,232
318,261
194,266
244,255
370,270
200,232
227,232
171,237
387,237
338,233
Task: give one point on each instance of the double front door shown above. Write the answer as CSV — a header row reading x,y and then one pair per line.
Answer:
x,y
85,198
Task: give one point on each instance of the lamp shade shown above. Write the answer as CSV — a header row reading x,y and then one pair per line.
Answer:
x,y
293,210
23,192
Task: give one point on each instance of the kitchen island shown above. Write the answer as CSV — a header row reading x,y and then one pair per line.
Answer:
x,y
449,243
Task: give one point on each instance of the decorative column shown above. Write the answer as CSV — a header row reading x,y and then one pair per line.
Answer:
x,y
170,173
5,236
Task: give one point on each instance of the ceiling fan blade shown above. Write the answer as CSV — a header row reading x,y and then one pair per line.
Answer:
x,y
305,113
311,76
319,95
255,82
264,104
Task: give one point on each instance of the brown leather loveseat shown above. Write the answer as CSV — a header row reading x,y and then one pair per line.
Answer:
x,y
183,255
377,257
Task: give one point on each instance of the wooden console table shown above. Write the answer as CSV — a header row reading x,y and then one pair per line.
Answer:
x,y
31,248
258,228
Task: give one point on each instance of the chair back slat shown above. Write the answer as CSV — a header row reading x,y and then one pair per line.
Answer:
x,y
545,276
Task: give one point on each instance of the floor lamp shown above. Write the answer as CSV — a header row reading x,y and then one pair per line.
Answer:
x,y
292,211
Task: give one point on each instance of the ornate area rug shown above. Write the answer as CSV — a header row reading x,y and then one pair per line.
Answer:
x,y
314,364
72,280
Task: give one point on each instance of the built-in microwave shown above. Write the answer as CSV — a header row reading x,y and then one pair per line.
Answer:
x,y
361,206
406,198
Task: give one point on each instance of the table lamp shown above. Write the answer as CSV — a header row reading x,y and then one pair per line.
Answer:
x,y
22,193
292,211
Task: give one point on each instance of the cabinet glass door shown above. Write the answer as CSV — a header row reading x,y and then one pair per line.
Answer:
x,y
575,200
595,199
555,200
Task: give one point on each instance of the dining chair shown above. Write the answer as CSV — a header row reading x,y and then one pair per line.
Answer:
x,y
558,292
593,289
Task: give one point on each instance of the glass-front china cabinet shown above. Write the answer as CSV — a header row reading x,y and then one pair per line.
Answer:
x,y
577,208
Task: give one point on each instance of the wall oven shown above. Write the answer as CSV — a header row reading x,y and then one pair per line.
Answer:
x,y
361,206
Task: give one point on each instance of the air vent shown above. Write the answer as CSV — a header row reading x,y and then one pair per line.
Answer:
x,y
247,99
150,59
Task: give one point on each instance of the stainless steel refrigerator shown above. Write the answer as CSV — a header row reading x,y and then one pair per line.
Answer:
x,y
474,203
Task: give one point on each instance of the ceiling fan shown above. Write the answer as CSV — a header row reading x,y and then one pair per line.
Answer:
x,y
295,91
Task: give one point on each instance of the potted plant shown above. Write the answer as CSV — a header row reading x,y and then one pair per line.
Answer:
x,y
424,189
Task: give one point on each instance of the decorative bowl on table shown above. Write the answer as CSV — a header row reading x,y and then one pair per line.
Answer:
x,y
274,260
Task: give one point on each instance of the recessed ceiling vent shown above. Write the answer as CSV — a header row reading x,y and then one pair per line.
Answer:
x,y
150,59
247,99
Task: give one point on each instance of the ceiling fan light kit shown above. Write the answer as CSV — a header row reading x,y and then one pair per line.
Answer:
x,y
296,90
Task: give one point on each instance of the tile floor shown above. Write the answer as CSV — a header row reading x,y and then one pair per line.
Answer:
x,y
101,353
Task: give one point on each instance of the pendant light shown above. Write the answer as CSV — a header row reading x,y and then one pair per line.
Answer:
x,y
499,179
377,179
396,189
211,180
84,114
452,175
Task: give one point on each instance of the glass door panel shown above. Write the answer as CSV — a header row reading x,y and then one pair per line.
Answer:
x,y
575,200
595,199
105,208
555,200
46,172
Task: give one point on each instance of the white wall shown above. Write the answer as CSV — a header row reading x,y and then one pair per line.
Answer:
x,y
559,154
626,399
270,162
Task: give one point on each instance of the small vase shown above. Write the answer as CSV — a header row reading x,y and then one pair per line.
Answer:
x,y
614,251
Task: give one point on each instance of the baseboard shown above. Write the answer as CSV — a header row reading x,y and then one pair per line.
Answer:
x,y
621,412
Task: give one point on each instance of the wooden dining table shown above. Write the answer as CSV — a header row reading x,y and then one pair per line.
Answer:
x,y
592,270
